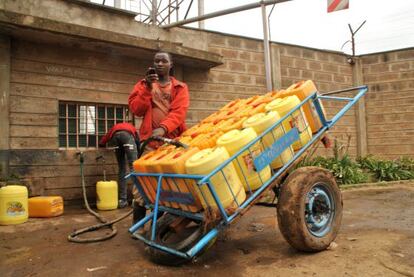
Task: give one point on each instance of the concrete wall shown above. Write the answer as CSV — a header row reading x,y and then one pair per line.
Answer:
x,y
330,71
41,76
242,75
65,67
390,103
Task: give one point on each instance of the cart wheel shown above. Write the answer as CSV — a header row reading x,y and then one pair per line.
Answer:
x,y
138,213
310,209
181,241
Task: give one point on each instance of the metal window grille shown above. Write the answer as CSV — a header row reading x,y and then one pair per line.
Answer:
x,y
82,125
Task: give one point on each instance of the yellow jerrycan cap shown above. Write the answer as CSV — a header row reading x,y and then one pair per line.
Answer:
x,y
236,139
283,105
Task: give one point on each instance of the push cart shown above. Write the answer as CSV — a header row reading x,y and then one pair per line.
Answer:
x,y
309,202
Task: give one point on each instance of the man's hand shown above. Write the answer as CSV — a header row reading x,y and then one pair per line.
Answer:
x,y
151,76
158,132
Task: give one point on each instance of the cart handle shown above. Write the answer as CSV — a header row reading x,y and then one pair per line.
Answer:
x,y
343,90
162,139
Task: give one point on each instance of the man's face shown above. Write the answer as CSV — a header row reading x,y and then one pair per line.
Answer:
x,y
162,64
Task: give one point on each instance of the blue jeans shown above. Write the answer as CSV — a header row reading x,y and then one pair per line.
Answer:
x,y
126,152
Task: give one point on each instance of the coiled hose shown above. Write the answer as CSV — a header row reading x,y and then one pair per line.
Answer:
x,y
73,237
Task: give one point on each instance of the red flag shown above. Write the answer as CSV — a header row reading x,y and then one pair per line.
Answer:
x,y
337,5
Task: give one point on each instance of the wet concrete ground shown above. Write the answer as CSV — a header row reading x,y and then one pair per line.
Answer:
x,y
376,239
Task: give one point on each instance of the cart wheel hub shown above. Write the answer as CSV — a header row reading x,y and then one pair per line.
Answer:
x,y
319,210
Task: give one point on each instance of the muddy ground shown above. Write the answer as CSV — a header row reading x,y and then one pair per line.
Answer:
x,y
376,239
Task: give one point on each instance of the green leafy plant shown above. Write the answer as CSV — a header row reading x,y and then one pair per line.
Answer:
x,y
406,163
387,170
345,170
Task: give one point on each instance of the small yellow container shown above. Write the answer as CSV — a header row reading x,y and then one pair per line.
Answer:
x,y
233,141
175,163
185,139
233,105
261,122
203,163
13,205
106,195
149,164
199,129
302,90
207,140
156,167
231,124
297,119
45,206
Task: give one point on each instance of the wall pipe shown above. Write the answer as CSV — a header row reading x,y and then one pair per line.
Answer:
x,y
223,12
266,50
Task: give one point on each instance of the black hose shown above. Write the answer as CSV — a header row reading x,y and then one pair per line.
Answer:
x,y
73,237
162,139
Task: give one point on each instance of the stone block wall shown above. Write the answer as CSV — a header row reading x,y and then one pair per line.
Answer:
x,y
243,75
240,76
390,103
41,74
330,71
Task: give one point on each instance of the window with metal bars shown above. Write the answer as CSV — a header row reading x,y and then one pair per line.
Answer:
x,y
83,124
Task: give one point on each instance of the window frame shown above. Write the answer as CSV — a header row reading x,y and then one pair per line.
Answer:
x,y
126,115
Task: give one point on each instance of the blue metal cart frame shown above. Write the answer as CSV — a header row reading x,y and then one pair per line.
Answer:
x,y
279,145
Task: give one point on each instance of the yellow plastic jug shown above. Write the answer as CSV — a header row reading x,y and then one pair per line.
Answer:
x,y
199,129
155,166
233,105
149,164
231,124
260,123
13,205
233,141
106,195
175,163
207,140
297,119
45,206
203,163
302,90
185,139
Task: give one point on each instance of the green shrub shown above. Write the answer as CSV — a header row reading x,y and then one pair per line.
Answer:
x,y
369,168
345,170
387,170
406,163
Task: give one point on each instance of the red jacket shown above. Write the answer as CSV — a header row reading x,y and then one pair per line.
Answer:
x,y
125,126
141,105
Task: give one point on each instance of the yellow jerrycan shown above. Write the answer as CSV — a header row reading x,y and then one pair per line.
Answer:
x,y
297,119
147,164
261,122
45,206
175,163
106,195
13,205
233,141
205,161
302,90
106,191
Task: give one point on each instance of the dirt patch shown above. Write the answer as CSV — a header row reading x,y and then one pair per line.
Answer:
x,y
376,238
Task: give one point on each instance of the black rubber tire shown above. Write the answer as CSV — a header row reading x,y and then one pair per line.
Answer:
x,y
139,212
164,258
291,208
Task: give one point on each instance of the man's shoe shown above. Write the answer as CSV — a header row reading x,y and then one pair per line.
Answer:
x,y
122,204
